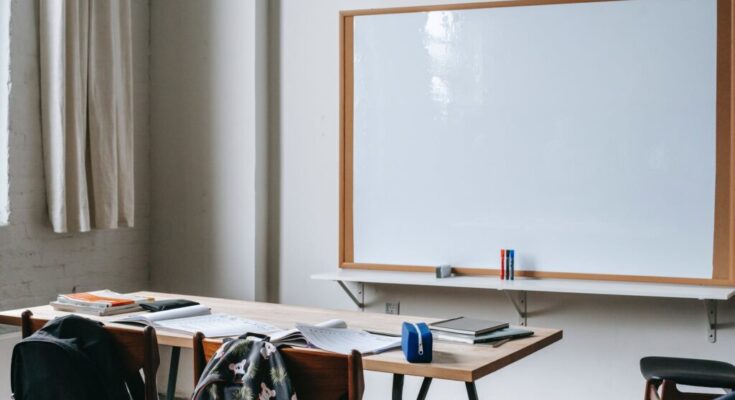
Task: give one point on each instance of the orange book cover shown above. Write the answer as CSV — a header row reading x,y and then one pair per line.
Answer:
x,y
93,298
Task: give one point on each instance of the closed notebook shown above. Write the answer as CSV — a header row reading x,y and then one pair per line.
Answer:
x,y
467,326
169,304
507,333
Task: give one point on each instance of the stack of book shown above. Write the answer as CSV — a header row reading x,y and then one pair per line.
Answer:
x,y
472,330
100,303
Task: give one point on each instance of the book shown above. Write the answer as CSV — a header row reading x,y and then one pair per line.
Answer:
x,y
92,310
99,303
199,318
101,298
506,333
467,326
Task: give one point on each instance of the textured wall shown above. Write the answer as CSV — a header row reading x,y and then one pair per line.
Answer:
x,y
36,264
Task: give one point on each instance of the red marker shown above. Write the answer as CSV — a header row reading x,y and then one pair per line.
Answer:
x,y
502,263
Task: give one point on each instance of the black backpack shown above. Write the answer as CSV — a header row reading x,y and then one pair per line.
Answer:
x,y
71,358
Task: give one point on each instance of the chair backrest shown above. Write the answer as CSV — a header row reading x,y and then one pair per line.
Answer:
x,y
138,349
314,374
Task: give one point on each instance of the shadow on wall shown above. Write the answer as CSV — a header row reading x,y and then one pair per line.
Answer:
x,y
210,146
182,166
274,151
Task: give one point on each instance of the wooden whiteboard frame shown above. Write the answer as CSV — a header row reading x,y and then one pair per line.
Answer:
x,y
723,271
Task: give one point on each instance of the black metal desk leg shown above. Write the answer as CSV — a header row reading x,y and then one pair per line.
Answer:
x,y
173,371
397,386
471,391
424,389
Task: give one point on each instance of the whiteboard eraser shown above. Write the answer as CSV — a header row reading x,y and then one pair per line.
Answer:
x,y
444,271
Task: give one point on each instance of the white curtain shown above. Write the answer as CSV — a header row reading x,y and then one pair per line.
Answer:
x,y
87,113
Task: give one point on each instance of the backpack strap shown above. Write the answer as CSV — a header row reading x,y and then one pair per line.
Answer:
x,y
136,387
257,335
263,337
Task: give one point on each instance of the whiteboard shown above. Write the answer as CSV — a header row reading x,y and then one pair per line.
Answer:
x,y
580,135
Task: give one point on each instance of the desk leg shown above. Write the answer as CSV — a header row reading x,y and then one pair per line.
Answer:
x,y
397,386
173,371
424,389
471,391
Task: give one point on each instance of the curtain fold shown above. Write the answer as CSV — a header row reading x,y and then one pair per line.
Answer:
x,y
87,113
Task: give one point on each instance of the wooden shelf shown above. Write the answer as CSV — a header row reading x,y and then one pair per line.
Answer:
x,y
698,292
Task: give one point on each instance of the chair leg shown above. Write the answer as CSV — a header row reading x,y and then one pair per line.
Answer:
x,y
670,392
199,360
151,363
25,326
651,391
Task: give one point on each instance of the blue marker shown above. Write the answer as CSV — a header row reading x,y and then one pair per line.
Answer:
x,y
511,261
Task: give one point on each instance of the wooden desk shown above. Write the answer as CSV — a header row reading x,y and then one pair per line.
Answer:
x,y
453,361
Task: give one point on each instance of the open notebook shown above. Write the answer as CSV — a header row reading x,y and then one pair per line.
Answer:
x,y
343,340
334,336
199,318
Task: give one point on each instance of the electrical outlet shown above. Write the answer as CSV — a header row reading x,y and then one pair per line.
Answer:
x,y
393,308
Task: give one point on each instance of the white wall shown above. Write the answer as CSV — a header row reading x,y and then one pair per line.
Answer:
x,y
4,97
208,124
605,336
35,263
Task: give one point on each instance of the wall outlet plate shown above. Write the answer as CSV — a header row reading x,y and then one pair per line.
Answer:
x,y
393,308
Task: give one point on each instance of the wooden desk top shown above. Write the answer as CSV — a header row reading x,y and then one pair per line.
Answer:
x,y
453,361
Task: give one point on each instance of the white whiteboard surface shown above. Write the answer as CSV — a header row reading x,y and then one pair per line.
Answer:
x,y
580,135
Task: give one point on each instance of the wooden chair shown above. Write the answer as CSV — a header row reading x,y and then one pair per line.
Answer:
x,y
662,374
137,348
314,374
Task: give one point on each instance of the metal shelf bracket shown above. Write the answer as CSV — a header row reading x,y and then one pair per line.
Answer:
x,y
711,308
360,293
520,303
